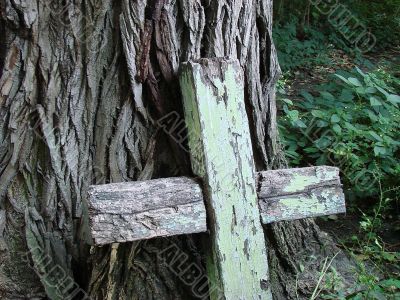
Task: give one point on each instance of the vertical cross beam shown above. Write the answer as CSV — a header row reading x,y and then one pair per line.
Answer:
x,y
221,154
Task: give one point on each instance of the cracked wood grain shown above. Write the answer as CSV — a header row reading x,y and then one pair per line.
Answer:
x,y
294,194
76,63
220,145
123,212
67,121
177,204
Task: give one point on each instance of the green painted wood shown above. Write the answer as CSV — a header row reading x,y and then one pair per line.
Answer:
x,y
220,145
300,193
130,211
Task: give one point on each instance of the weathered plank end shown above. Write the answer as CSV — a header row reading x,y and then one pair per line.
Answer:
x,y
130,211
292,194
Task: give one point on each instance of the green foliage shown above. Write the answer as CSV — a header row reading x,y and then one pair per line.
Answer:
x,y
371,288
294,53
382,18
369,251
352,122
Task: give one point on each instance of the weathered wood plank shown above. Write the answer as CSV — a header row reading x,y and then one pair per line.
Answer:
x,y
123,212
297,180
300,193
220,145
281,195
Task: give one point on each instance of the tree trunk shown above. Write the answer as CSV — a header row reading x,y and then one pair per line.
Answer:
x,y
82,86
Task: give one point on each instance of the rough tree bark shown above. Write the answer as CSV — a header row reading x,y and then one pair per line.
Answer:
x,y
82,85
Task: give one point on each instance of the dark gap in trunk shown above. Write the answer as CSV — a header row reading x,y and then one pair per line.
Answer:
x,y
3,46
249,110
205,39
182,30
261,28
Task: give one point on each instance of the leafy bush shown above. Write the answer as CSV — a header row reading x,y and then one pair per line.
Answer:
x,y
294,53
369,249
381,17
354,123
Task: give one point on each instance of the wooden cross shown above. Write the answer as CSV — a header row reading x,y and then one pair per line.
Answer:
x,y
233,202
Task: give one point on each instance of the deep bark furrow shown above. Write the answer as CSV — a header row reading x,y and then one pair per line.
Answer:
x,y
79,87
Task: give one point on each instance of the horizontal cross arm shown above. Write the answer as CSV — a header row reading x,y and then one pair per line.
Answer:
x,y
123,212
130,211
294,194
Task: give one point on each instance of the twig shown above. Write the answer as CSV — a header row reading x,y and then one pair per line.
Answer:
x,y
325,268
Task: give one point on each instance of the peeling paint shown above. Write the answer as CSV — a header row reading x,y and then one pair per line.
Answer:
x,y
213,93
